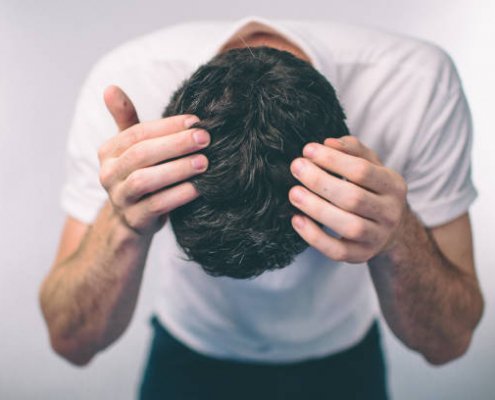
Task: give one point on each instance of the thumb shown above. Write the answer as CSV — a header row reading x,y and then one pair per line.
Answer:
x,y
121,107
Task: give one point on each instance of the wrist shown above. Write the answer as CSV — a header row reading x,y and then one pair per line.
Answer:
x,y
121,233
401,241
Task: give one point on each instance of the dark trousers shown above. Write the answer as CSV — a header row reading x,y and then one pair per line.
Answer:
x,y
174,371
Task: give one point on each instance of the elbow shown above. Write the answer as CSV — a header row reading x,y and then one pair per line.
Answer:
x,y
76,354
448,352
480,310
71,349
74,351
458,346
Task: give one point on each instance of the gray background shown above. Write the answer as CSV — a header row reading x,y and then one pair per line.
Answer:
x,y
47,48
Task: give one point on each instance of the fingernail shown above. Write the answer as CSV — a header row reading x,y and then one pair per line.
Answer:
x,y
198,162
298,166
309,150
297,195
298,221
188,122
201,136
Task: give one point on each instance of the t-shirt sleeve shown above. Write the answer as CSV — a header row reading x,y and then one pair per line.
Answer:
x,y
438,173
82,194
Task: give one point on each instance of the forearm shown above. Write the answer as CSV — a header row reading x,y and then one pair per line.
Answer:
x,y
88,299
427,301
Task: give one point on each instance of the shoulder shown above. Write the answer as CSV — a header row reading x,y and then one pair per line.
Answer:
x,y
174,46
169,44
394,88
382,52
149,67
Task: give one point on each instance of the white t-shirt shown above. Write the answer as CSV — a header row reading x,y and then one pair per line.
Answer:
x,y
403,98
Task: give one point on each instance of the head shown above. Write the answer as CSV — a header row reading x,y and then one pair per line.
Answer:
x,y
261,106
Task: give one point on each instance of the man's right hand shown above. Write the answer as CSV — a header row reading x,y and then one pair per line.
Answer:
x,y
141,166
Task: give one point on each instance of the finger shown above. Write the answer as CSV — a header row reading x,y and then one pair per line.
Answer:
x,y
148,180
346,224
121,107
336,249
152,151
353,146
344,194
117,144
148,209
356,169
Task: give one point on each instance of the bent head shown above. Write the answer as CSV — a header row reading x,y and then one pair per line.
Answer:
x,y
261,106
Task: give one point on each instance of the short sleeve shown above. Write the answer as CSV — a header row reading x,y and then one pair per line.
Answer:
x,y
149,72
438,172
82,194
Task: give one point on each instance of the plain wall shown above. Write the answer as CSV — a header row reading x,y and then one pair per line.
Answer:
x,y
46,50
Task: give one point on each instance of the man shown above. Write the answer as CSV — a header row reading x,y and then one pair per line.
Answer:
x,y
308,330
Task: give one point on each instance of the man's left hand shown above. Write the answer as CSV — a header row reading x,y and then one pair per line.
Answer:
x,y
366,209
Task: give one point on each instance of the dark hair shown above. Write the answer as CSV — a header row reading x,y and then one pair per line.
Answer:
x,y
261,106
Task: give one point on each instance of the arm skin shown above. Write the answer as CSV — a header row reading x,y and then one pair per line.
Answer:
x,y
89,296
90,293
431,303
425,279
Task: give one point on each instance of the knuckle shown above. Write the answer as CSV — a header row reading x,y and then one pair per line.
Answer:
x,y
102,151
341,254
389,219
361,171
156,205
136,154
355,200
153,204
129,221
135,133
356,230
118,203
135,183
352,140
105,174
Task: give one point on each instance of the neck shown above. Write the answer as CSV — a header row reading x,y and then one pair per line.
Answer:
x,y
266,39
